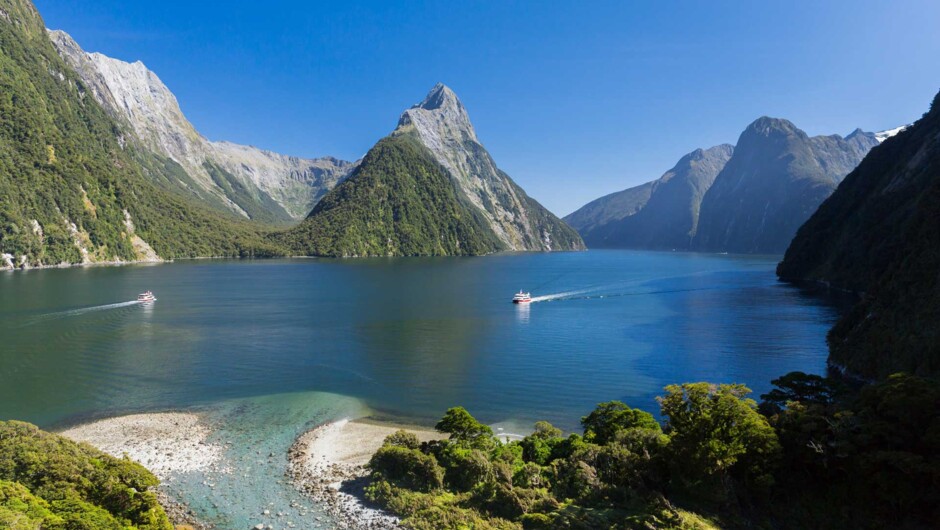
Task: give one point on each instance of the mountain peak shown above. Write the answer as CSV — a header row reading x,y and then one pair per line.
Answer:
x,y
765,126
440,115
440,96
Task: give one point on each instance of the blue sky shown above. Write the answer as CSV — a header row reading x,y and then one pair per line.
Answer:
x,y
573,99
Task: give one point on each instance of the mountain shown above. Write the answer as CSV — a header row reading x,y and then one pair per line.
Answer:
x,y
879,234
251,182
775,180
71,191
662,214
429,188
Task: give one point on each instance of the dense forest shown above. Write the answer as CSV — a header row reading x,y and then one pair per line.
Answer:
x,y
815,453
73,187
52,483
398,202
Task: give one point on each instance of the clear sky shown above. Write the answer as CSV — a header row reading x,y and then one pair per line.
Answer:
x,y
573,99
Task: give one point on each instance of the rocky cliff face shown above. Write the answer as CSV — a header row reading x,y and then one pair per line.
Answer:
x,y
662,214
775,180
249,181
442,125
879,234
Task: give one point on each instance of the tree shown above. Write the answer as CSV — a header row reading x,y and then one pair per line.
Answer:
x,y
537,447
602,424
463,427
407,467
809,389
714,430
546,430
403,438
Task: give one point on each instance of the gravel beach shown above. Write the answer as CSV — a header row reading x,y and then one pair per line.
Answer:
x,y
327,463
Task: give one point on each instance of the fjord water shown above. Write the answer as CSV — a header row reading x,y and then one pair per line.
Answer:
x,y
271,347
409,337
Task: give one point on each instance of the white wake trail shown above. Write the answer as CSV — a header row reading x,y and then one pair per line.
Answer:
x,y
561,296
82,311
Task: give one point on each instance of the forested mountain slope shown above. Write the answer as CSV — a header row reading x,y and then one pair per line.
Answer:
x,y
70,190
879,234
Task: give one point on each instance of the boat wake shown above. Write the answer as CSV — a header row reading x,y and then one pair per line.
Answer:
x,y
562,296
589,294
83,310
77,312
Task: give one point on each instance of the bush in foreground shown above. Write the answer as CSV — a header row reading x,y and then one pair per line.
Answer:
x,y
813,455
50,482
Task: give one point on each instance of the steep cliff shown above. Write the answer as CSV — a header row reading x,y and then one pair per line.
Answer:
x,y
879,234
251,182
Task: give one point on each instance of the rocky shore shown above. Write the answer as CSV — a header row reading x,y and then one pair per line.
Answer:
x,y
166,443
328,464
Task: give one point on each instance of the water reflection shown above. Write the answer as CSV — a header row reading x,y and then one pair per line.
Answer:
x,y
522,313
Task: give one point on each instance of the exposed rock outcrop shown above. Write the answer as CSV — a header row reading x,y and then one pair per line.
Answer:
x,y
442,125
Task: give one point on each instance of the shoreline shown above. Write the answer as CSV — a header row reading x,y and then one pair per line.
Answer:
x,y
166,443
327,463
82,265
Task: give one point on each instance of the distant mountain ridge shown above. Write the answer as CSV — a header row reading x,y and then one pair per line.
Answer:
x,y
429,188
776,179
248,181
879,234
748,198
662,214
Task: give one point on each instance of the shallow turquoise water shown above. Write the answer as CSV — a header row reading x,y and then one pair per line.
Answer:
x,y
271,347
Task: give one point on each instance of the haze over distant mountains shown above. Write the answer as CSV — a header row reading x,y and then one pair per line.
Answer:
x,y
748,198
662,214
430,188
254,183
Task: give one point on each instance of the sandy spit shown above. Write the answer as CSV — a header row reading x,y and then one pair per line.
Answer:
x,y
327,463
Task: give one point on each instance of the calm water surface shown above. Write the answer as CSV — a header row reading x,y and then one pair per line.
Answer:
x,y
272,347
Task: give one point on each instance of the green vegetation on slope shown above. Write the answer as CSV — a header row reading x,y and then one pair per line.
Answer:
x,y
63,164
813,455
398,202
879,233
52,483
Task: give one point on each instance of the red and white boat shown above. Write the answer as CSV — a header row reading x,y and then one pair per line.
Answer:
x,y
146,298
521,298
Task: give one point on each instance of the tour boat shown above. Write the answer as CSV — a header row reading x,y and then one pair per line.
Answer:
x,y
521,298
147,297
